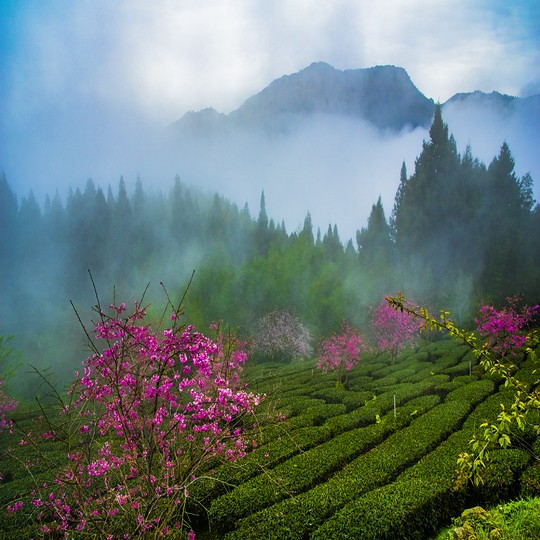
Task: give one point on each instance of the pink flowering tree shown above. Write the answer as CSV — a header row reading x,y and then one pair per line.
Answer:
x,y
149,413
280,335
341,352
504,330
393,329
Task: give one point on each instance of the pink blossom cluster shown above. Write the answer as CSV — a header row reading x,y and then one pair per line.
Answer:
x,y
281,335
341,352
393,329
503,328
6,405
151,410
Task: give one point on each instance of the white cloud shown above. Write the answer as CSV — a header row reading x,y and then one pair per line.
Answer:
x,y
165,57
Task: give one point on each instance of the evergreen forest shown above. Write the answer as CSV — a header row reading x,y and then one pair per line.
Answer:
x,y
460,234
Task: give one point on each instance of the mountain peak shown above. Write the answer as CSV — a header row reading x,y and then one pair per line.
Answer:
x,y
383,95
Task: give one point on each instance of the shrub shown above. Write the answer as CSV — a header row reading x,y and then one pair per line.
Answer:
x,y
298,516
150,412
281,336
393,329
530,481
341,352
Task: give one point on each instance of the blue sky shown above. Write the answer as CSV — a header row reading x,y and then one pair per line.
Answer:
x,y
93,73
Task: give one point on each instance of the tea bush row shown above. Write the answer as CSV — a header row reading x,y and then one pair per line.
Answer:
x,y
415,508
377,405
265,457
307,469
294,518
424,497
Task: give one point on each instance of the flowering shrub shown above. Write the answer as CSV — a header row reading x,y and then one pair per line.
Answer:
x,y
393,328
341,352
280,335
143,422
503,329
6,405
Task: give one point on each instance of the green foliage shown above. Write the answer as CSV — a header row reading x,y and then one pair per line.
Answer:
x,y
362,472
517,520
530,481
297,516
523,414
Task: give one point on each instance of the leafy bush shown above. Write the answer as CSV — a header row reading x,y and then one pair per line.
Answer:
x,y
530,481
152,410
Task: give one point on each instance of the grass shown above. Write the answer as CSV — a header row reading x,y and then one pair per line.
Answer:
x,y
516,520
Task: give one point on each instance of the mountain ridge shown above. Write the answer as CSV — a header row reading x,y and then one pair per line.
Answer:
x,y
383,95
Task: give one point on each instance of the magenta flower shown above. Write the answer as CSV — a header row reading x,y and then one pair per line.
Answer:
x,y
149,410
503,329
341,352
393,329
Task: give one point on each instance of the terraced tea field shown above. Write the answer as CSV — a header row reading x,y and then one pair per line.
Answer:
x,y
377,460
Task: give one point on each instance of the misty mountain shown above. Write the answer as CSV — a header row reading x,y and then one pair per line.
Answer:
x,y
334,141
385,96
503,104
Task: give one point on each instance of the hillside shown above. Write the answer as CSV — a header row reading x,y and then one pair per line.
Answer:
x,y
374,461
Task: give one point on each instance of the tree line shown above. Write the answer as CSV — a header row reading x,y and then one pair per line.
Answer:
x,y
460,234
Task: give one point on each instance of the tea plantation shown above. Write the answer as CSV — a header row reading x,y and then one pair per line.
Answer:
x,y
376,460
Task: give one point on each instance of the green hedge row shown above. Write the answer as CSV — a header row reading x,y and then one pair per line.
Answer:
x,y
305,470
378,405
415,506
265,457
292,406
423,497
404,389
470,392
448,360
354,400
463,368
320,413
447,346
329,395
530,481
384,512
296,517
428,370
395,369
450,385
359,383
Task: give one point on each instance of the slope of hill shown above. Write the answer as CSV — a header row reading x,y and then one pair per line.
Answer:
x,y
375,461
